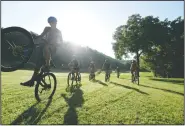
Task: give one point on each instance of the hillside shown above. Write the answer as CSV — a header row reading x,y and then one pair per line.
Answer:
x,y
83,54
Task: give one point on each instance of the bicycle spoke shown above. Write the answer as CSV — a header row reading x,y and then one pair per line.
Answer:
x,y
9,44
13,43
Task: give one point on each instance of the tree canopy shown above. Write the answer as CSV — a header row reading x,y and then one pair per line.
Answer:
x,y
160,44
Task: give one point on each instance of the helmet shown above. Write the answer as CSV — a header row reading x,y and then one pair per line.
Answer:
x,y
52,19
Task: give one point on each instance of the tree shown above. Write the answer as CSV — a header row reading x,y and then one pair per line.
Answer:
x,y
130,38
159,43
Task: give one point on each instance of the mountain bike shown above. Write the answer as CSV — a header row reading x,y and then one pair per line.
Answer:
x,y
72,76
17,46
135,78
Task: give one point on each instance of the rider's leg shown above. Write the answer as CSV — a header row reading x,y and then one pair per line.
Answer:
x,y
47,55
39,56
76,73
132,75
106,72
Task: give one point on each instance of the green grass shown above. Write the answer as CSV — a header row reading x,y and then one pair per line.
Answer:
x,y
154,101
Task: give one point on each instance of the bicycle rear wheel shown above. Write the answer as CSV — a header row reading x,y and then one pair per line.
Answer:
x,y
43,88
90,77
16,46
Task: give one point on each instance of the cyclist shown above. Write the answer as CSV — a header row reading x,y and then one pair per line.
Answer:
x,y
74,65
107,66
92,66
50,38
133,68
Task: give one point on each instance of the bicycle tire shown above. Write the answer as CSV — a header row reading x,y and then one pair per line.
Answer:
x,y
38,84
68,78
78,79
108,79
94,77
28,35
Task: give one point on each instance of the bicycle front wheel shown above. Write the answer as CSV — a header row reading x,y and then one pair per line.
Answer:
x,y
78,79
70,80
16,46
46,87
108,77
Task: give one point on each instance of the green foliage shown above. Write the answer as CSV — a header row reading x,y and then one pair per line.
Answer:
x,y
161,44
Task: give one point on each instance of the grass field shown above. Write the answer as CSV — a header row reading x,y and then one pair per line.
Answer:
x,y
154,101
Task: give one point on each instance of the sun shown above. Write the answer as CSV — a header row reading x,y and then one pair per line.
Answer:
x,y
79,27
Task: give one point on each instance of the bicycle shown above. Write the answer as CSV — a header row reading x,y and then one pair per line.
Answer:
x,y
135,78
11,52
72,77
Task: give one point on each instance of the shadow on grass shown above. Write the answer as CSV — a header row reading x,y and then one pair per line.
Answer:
x,y
32,115
76,100
129,88
148,76
163,90
100,82
124,78
180,82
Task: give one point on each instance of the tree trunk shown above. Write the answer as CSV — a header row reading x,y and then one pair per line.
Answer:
x,y
137,57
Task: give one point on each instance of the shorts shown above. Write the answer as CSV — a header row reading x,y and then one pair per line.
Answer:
x,y
108,71
133,70
92,70
52,49
75,69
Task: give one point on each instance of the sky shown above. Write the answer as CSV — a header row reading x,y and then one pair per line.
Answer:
x,y
86,23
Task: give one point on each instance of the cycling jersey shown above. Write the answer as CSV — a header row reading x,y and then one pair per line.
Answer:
x,y
133,66
52,35
106,65
74,63
117,69
92,65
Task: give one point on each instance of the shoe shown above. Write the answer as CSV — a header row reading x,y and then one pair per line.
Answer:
x,y
29,83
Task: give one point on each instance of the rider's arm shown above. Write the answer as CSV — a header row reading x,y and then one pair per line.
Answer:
x,y
131,67
46,29
78,64
69,65
61,38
